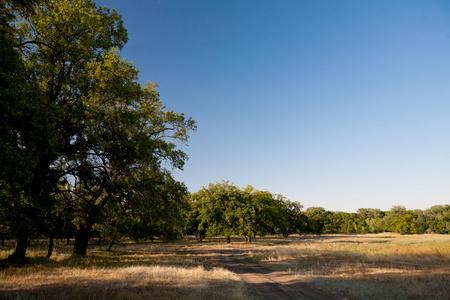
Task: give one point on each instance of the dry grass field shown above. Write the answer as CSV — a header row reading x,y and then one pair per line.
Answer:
x,y
134,271
371,266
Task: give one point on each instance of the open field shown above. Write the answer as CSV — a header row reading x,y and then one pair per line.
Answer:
x,y
375,266
134,271
371,266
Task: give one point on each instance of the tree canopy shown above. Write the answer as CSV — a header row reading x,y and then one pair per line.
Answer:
x,y
224,209
78,121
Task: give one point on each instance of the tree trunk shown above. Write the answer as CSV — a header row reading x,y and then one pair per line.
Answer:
x,y
110,246
50,246
82,235
21,248
228,239
3,240
111,243
68,241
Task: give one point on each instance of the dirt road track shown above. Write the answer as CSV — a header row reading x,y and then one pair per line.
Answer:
x,y
268,284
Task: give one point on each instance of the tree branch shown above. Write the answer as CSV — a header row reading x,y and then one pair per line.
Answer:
x,y
31,42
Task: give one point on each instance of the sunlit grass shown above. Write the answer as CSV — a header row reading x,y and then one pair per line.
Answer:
x,y
133,271
374,266
371,266
136,282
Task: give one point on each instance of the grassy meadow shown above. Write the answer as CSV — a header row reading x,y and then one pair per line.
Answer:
x,y
131,271
369,266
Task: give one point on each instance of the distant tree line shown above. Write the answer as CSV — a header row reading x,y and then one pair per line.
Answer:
x,y
435,219
169,212
224,209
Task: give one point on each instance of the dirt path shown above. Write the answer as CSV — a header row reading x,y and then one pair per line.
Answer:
x,y
268,284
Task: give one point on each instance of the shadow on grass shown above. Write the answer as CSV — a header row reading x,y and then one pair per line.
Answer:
x,y
92,288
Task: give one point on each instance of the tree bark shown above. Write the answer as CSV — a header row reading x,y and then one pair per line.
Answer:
x,y
50,246
228,239
20,249
82,236
110,246
111,243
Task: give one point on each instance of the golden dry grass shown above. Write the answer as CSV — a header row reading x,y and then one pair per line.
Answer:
x,y
373,266
136,282
143,271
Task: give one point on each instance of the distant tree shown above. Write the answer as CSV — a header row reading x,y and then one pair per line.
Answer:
x,y
396,212
419,216
370,219
295,218
218,209
317,217
405,224
193,219
341,222
224,209
266,213
438,219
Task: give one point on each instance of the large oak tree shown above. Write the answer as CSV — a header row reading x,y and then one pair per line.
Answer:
x,y
78,118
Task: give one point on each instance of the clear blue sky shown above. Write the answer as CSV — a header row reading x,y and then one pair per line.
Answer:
x,y
339,104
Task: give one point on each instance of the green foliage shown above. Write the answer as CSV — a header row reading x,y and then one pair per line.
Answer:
x,y
317,217
75,120
224,209
405,224
438,219
433,220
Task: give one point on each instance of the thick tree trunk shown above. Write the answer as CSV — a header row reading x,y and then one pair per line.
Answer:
x,y
82,236
228,239
20,250
250,239
68,241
